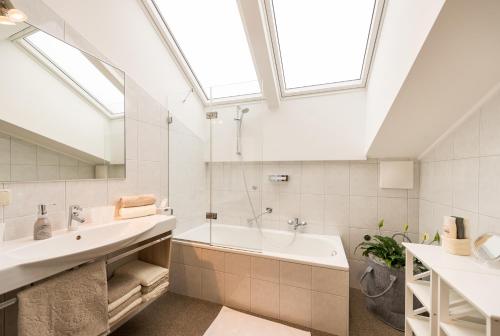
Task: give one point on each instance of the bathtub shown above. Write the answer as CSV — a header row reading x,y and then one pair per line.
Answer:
x,y
294,277
320,250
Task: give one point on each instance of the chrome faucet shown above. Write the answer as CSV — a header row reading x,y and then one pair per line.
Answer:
x,y
295,223
75,214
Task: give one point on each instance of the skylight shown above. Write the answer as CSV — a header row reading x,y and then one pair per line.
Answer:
x,y
211,38
80,70
322,42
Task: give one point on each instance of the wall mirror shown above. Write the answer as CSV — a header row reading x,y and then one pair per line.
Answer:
x,y
62,111
487,247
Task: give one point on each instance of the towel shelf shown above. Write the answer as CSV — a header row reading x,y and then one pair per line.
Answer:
x,y
137,249
8,303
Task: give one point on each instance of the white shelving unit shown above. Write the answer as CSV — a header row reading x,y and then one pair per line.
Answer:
x,y
459,295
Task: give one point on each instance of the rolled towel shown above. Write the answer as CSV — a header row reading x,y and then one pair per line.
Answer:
x,y
124,305
124,298
146,273
137,201
124,312
120,285
141,211
156,292
148,289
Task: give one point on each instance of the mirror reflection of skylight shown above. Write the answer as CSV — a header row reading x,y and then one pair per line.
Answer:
x,y
78,67
322,41
211,37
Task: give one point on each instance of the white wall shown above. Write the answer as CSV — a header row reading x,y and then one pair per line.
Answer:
x,y
329,127
460,176
122,31
405,27
37,100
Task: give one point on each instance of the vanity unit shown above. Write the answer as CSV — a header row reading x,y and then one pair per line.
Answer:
x,y
460,296
24,261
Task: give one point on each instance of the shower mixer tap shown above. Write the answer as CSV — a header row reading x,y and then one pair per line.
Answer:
x,y
295,223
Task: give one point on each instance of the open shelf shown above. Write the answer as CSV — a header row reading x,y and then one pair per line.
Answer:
x,y
462,329
419,325
422,290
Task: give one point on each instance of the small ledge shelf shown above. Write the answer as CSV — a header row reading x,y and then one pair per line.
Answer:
x,y
462,329
419,325
422,290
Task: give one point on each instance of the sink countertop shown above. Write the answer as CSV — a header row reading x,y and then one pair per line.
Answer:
x,y
24,261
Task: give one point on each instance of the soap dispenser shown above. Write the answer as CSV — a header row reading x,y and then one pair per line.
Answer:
x,y
42,228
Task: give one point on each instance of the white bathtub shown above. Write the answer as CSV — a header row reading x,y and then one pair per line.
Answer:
x,y
319,250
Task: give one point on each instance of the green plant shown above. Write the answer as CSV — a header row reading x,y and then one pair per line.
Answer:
x,y
387,248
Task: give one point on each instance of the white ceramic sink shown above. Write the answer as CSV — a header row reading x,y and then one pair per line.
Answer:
x,y
87,242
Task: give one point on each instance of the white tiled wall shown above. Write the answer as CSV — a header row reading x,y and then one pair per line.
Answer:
x,y
334,197
461,175
24,161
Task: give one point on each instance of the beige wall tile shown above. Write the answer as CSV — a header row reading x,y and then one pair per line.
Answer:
x,y
295,305
363,179
212,286
330,313
266,269
186,280
264,298
237,291
297,275
213,259
238,264
188,255
330,281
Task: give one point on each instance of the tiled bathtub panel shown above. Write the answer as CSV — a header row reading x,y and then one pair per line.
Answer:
x,y
254,284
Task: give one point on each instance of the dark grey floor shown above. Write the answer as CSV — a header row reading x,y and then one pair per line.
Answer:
x,y
177,315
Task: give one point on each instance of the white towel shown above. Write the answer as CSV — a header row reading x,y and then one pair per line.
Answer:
x,y
124,298
155,293
125,311
140,211
146,273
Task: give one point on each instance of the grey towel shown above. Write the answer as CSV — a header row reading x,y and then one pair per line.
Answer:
x,y
124,305
73,303
119,285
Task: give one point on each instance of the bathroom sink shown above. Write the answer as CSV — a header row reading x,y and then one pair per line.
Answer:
x,y
86,243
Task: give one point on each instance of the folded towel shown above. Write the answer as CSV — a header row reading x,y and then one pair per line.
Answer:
x,y
148,289
142,211
124,305
146,273
120,285
72,303
156,292
124,312
137,201
124,298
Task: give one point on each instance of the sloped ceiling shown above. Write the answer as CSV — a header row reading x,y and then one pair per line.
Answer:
x,y
458,64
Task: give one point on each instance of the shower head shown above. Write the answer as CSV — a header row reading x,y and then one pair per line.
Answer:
x,y
240,112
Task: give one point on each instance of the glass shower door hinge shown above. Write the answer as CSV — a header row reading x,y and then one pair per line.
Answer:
x,y
211,215
170,120
211,115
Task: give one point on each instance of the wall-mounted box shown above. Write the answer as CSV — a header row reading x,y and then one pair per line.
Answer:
x,y
396,174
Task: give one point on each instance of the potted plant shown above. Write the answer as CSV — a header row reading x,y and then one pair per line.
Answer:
x,y
383,282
